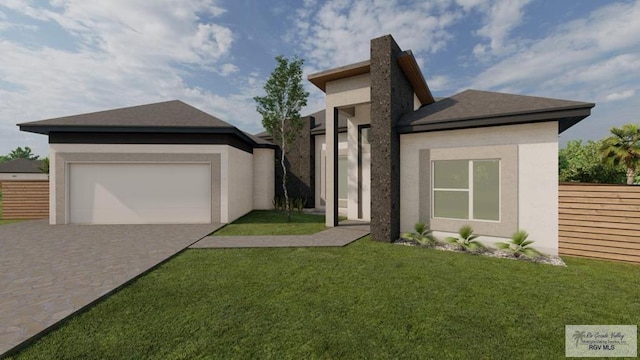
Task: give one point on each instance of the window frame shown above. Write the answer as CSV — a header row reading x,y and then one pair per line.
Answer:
x,y
469,190
509,188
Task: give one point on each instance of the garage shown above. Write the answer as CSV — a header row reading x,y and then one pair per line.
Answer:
x,y
161,163
139,193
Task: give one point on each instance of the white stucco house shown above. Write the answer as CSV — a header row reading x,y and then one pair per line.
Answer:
x,y
383,150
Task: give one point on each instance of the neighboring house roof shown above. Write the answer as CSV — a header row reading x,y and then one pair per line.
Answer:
x,y
21,166
165,117
474,108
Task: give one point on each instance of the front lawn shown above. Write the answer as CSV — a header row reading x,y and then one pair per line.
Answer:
x,y
271,222
366,300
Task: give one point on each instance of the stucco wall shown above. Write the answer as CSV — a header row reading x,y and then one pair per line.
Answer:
x,y
339,93
537,173
362,117
240,183
236,172
263,179
320,158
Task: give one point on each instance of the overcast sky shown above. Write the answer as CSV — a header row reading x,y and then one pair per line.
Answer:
x,y
65,57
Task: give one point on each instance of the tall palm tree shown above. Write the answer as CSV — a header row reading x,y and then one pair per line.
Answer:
x,y
623,147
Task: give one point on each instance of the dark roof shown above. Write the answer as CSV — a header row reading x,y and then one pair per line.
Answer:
x,y
474,108
21,166
164,117
171,114
260,142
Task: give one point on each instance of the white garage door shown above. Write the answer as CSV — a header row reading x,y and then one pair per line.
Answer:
x,y
135,193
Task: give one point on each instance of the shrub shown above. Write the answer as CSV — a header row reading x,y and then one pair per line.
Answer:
x,y
299,204
466,240
519,245
422,235
279,203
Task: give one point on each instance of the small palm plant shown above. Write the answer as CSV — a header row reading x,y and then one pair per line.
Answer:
x,y
422,235
466,240
519,245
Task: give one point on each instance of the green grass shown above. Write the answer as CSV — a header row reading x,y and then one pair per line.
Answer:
x,y
367,300
269,222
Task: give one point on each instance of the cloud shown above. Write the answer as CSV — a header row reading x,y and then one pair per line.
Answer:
x,y
228,69
124,53
500,17
585,57
620,95
438,82
338,32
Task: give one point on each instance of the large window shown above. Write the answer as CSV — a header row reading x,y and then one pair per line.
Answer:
x,y
466,189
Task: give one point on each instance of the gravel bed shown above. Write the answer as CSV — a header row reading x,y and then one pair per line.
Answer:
x,y
550,260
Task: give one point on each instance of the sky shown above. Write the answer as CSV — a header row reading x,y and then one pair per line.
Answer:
x,y
67,57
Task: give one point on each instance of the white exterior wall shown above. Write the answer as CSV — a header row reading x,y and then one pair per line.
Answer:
x,y
320,157
319,144
538,194
339,93
362,117
240,183
263,179
537,175
236,171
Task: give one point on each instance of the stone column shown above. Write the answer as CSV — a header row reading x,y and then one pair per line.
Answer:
x,y
391,97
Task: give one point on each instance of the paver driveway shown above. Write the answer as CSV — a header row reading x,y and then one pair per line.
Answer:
x,y
47,272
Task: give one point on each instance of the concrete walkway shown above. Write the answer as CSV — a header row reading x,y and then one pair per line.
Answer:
x,y
48,272
346,233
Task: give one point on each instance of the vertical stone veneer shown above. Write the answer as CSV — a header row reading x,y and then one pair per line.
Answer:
x,y
391,97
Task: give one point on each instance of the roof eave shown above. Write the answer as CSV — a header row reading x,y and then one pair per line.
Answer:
x,y
48,129
321,79
412,72
566,118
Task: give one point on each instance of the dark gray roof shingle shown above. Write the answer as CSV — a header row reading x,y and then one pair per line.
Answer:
x,y
474,108
173,114
164,117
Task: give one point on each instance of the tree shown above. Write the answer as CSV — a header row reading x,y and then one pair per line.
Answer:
x,y
20,153
280,109
45,166
623,148
580,162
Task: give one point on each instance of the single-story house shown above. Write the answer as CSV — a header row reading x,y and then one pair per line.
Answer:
x,y
21,169
383,150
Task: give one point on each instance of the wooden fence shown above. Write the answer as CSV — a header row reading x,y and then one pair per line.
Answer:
x,y
599,221
25,199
